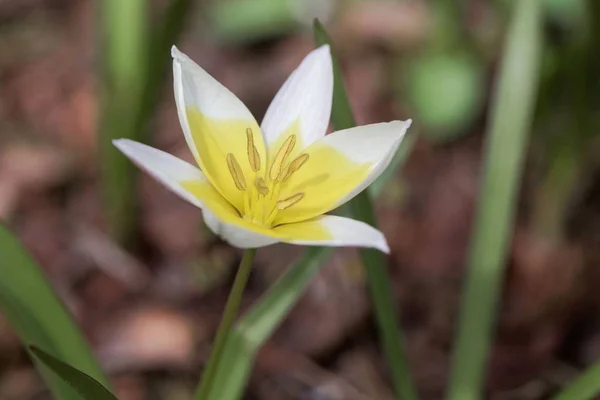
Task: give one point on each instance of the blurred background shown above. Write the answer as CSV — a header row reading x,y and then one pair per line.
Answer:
x,y
148,284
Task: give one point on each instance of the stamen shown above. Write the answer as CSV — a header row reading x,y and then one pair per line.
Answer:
x,y
290,201
275,173
253,156
236,172
295,166
261,186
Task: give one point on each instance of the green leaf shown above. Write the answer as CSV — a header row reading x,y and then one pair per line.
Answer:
x,y
124,28
511,116
136,57
87,387
585,387
375,263
259,324
38,316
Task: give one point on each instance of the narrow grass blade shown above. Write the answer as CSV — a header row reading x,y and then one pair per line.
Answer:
x,y
585,387
136,60
86,386
512,113
125,33
374,261
39,318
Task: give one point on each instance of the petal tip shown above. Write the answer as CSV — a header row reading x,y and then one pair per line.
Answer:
x,y
175,52
383,247
119,143
178,56
324,48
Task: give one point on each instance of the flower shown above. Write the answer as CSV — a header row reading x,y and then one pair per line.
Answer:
x,y
258,185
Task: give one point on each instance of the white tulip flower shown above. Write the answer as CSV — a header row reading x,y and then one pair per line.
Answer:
x,y
258,185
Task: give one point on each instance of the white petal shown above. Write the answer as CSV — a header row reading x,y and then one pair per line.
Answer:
x,y
376,143
343,232
195,88
167,169
235,235
305,97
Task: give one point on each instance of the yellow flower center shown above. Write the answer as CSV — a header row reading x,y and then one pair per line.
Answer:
x,y
261,197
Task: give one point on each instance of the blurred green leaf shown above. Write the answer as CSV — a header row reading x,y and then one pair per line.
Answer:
x,y
259,324
375,263
585,387
125,33
136,59
446,92
511,116
39,317
569,13
243,20
86,386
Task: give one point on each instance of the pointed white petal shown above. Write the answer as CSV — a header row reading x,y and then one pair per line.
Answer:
x,y
305,98
340,166
376,144
176,175
339,232
195,88
235,235
167,169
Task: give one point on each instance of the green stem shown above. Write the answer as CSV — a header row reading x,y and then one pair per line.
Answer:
x,y
374,261
229,315
125,42
555,192
512,113
386,314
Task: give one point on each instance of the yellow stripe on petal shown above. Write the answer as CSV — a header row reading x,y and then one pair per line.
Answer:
x,y
331,230
229,153
326,176
312,230
206,193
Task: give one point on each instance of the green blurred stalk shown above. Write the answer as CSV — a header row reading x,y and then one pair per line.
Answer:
x,y
375,264
512,113
125,35
585,387
242,21
568,150
255,328
136,59
229,314
555,193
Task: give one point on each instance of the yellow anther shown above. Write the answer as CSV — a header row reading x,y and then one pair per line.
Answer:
x,y
236,172
290,201
275,173
261,186
295,166
253,156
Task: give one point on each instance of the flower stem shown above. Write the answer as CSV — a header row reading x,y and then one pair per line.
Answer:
x,y
231,310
